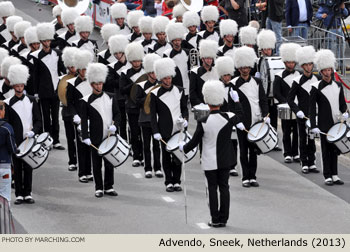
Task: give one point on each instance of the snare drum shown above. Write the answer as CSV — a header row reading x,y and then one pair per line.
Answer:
x,y
45,140
173,146
284,112
33,154
269,66
200,111
115,149
339,135
267,138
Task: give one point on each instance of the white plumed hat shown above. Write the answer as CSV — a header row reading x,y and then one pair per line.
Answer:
x,y
6,63
224,65
247,35
214,92
244,57
266,39
18,74
6,9
3,54
45,31
83,24
119,10
159,24
82,58
164,67
175,31
305,55
145,24
179,10
56,11
96,72
31,36
228,27
11,21
68,56
134,51
108,30
208,48
21,27
191,18
117,43
134,17
210,13
288,51
68,16
148,62
325,58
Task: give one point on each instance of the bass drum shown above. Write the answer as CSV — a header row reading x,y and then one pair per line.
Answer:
x,y
269,66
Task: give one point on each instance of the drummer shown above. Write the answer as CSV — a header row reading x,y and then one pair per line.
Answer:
x,y
281,86
328,95
301,88
102,110
252,96
24,115
214,131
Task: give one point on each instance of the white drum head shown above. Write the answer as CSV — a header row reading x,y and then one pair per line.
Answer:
x,y
173,142
36,148
204,107
336,132
283,105
42,137
25,147
107,145
254,132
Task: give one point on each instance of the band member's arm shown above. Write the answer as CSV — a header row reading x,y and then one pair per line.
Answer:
x,y
235,107
312,111
71,101
125,85
196,139
140,96
36,76
193,89
154,122
84,114
177,80
277,85
291,97
37,120
264,106
342,104
111,81
116,112
183,104
61,68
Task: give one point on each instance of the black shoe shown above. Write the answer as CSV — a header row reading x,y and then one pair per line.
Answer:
x,y
29,200
314,170
246,183
233,173
136,163
148,174
99,194
159,174
214,225
254,184
111,192
169,188
338,182
90,177
58,146
177,188
72,167
83,179
305,169
19,200
328,182
296,159
277,148
288,159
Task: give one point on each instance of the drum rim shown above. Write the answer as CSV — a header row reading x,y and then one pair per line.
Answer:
x,y
258,139
105,153
341,137
35,146
47,136
166,147
42,162
25,153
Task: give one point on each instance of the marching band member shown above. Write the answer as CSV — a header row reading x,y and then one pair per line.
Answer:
x,y
59,26
10,24
143,89
328,95
191,21
84,27
48,66
301,88
133,22
159,26
228,31
214,131
134,54
7,9
207,52
3,54
209,16
119,12
101,109
21,48
78,88
145,24
281,86
168,105
178,11
70,35
253,99
6,90
24,115
247,36
107,31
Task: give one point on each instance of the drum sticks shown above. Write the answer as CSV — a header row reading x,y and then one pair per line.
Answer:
x,y
249,133
262,125
93,146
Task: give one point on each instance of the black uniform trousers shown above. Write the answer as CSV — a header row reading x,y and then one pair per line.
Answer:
x,y
147,136
50,109
329,158
218,179
70,135
84,157
23,176
290,143
235,148
108,181
307,146
248,156
135,132
171,166
273,112
122,126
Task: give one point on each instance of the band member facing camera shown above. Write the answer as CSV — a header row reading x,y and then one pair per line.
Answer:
x,y
228,31
6,90
191,21
214,131
7,9
209,16
133,22
107,31
24,115
159,26
301,88
102,110
10,23
119,12
69,36
328,95
168,105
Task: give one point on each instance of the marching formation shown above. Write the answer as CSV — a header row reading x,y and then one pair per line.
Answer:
x,y
133,98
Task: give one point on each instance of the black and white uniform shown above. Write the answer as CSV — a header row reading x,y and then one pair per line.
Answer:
x,y
6,91
124,30
59,30
101,110
281,86
24,115
198,76
143,88
66,39
47,68
215,36
8,45
159,48
105,57
148,44
128,88
133,37
28,60
214,132
191,41
301,89
167,105
330,99
226,51
253,99
76,90
4,34
20,51
89,45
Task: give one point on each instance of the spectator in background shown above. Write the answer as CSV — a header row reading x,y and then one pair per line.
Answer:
x,y
235,10
298,13
148,8
158,6
129,4
275,13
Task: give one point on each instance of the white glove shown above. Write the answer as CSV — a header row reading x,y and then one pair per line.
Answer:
x,y
185,123
29,134
76,119
345,116
267,120
87,141
112,129
157,136
234,95
240,126
300,114
258,75
181,145
181,123
316,131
